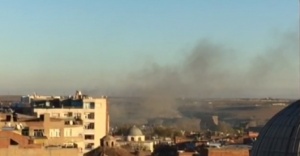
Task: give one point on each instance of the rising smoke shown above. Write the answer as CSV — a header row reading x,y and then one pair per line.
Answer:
x,y
210,71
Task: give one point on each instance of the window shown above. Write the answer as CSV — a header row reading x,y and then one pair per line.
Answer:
x,y
70,114
38,132
77,115
25,132
67,132
89,137
90,126
57,133
91,116
47,104
92,105
54,133
77,104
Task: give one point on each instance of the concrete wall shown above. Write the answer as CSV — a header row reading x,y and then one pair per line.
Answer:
x,y
228,152
15,151
4,142
5,137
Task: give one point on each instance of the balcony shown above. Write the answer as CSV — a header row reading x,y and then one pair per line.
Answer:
x,y
73,122
89,116
89,131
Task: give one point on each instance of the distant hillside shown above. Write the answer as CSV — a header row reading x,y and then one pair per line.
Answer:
x,y
10,98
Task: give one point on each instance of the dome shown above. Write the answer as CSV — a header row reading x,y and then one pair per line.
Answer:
x,y
281,135
108,138
134,131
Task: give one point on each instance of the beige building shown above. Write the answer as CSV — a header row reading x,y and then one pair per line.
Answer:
x,y
93,112
44,131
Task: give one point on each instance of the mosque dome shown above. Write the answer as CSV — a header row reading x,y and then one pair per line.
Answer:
x,y
134,131
281,135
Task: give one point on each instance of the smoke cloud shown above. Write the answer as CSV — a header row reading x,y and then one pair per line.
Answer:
x,y
210,71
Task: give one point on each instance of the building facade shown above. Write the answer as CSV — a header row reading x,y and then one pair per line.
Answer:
x,y
44,131
93,112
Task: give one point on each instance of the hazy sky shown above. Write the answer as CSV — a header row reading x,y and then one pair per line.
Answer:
x,y
57,46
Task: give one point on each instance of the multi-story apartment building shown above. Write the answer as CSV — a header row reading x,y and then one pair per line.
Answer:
x,y
42,132
92,111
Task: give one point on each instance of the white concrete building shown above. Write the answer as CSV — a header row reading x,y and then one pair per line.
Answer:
x,y
136,140
135,135
92,111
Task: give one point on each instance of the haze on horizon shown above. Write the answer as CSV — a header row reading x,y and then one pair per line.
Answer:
x,y
152,48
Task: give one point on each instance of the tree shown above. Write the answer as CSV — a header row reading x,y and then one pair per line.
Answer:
x,y
163,132
122,130
225,127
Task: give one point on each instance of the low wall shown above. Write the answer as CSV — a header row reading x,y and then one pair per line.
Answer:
x,y
228,152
